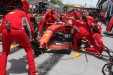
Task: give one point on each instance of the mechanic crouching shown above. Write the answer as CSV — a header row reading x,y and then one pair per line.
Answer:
x,y
82,30
95,31
13,29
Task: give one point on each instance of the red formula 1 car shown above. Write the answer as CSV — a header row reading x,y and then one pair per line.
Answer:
x,y
58,39
55,39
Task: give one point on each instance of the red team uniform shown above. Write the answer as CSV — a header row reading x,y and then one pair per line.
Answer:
x,y
17,33
83,31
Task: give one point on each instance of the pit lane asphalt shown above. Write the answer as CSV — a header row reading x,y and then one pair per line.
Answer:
x,y
53,64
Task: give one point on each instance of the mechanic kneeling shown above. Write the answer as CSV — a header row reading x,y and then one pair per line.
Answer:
x,y
83,31
95,31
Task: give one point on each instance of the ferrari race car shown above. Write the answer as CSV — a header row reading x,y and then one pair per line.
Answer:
x,y
55,39
58,38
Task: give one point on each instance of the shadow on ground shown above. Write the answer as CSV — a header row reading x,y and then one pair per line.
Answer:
x,y
18,66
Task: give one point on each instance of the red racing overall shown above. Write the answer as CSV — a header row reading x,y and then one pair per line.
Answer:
x,y
18,34
79,14
83,32
25,5
96,35
48,18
